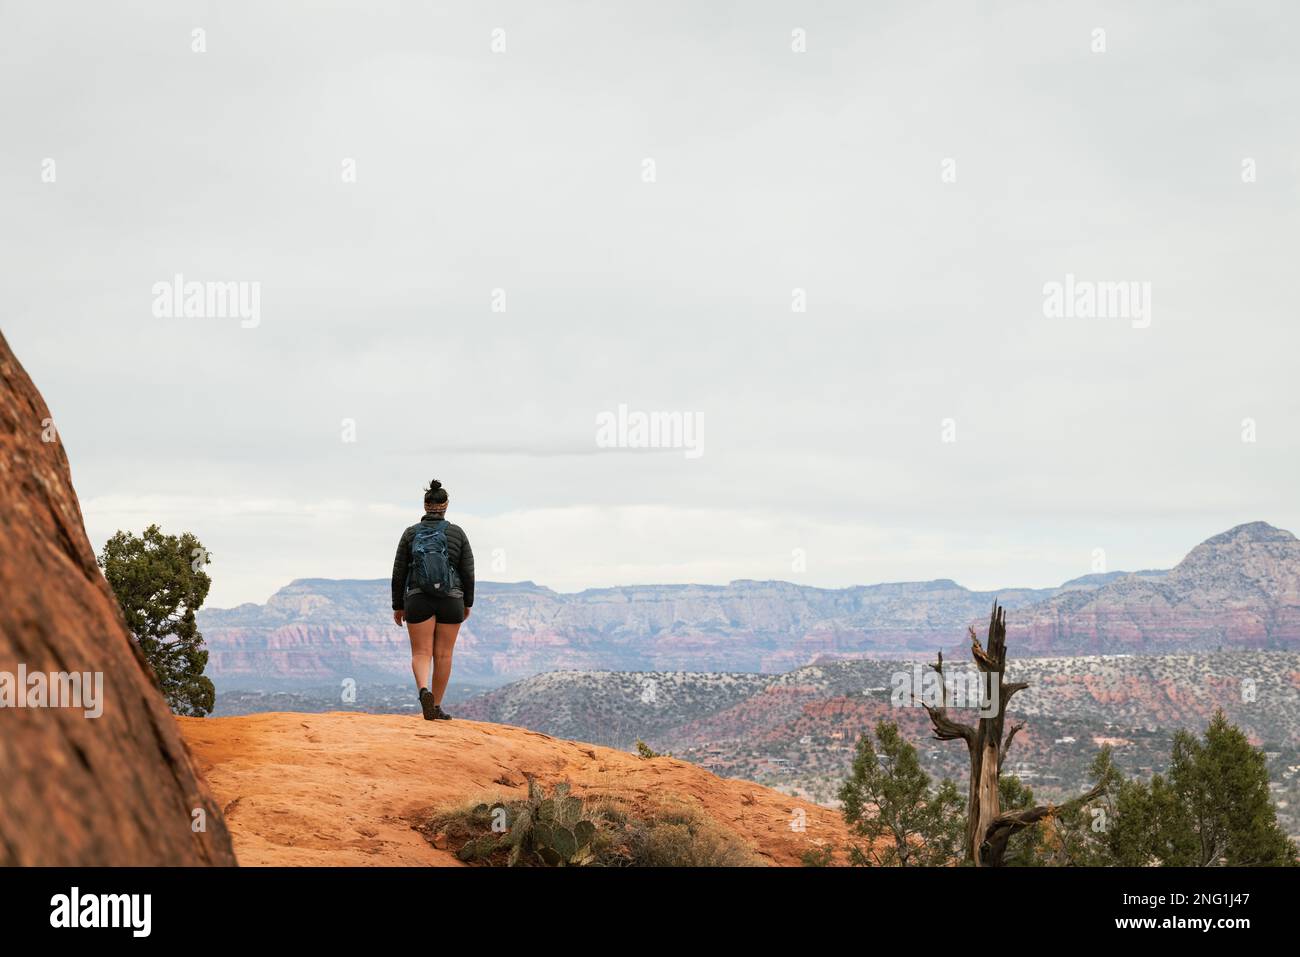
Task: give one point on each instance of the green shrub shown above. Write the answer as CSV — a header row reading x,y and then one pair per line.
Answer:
x,y
818,856
684,837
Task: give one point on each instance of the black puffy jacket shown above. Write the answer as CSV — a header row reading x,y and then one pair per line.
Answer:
x,y
459,556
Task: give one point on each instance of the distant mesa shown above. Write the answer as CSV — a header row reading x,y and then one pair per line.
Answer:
x,y
1237,590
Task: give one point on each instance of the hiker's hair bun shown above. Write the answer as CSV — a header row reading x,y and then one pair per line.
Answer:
x,y
435,494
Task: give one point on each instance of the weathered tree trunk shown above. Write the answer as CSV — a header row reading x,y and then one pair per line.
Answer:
x,y
987,828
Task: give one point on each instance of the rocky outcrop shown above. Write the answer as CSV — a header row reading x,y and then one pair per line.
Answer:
x,y
117,789
350,789
1237,590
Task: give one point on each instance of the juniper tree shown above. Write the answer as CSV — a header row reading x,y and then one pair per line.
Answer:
x,y
1211,808
1221,802
887,800
160,582
1076,835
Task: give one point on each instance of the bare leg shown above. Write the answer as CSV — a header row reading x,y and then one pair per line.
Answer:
x,y
421,651
444,640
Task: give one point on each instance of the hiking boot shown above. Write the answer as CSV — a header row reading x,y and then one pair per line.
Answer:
x,y
426,704
440,714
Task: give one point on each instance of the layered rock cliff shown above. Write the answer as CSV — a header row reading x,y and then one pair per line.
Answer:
x,y
317,629
1237,590
1240,589
117,789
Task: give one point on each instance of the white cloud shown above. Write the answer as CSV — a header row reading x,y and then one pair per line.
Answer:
x,y
259,545
520,171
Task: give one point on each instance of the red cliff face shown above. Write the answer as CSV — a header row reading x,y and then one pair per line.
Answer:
x,y
117,789
323,630
1237,590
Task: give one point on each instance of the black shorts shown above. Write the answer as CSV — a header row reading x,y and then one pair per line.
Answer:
x,y
447,609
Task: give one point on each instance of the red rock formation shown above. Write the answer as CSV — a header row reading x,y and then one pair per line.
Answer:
x,y
348,789
118,789
1237,590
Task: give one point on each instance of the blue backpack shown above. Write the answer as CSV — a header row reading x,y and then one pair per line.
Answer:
x,y
430,570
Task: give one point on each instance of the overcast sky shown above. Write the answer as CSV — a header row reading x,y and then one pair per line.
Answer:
x,y
524,170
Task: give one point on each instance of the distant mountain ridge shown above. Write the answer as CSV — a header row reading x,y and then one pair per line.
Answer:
x,y
320,628
1239,589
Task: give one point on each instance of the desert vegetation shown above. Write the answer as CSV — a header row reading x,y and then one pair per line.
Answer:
x,y
561,829
160,583
1212,807
988,827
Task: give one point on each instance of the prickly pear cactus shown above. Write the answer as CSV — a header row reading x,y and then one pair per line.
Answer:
x,y
551,830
